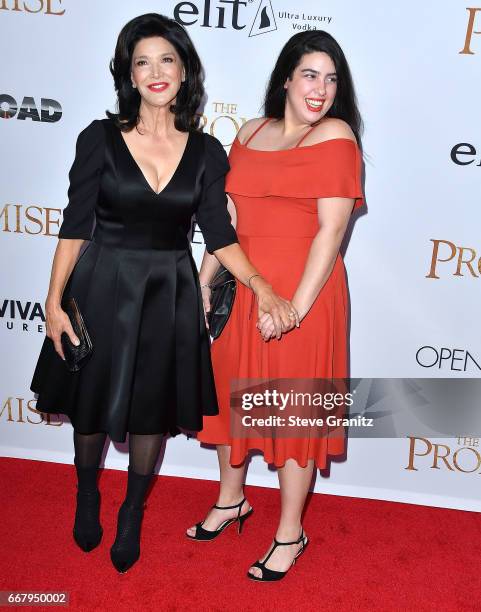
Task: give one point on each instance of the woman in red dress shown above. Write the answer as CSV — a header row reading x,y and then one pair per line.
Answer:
x,y
293,184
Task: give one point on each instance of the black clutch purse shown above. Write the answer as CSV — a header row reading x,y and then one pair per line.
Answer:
x,y
223,289
75,356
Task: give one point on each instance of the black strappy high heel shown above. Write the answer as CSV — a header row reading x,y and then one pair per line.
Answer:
x,y
269,575
203,535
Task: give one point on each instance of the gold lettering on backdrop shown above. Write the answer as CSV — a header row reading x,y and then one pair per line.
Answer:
x,y
6,8
50,11
224,121
471,451
434,259
229,118
4,218
7,406
48,420
20,409
49,221
17,218
470,31
467,262
221,107
14,407
30,10
48,7
33,410
464,265
412,454
466,459
33,220
437,455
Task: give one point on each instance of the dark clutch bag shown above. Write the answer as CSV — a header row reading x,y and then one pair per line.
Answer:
x,y
75,356
223,289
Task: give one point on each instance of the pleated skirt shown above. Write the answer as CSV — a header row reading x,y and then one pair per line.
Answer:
x,y
150,370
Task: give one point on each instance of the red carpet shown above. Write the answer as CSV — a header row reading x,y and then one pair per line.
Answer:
x,y
364,555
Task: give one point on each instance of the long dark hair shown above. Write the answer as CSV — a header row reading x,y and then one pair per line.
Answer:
x,y
345,103
191,91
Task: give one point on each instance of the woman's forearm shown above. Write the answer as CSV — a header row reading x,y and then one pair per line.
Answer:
x,y
64,260
234,259
319,265
283,314
210,265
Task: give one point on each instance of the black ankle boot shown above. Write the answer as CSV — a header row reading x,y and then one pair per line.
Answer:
x,y
126,548
87,531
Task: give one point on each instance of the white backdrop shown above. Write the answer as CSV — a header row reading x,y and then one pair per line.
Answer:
x,y
419,97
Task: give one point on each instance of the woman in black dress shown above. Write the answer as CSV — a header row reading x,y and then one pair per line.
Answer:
x,y
137,179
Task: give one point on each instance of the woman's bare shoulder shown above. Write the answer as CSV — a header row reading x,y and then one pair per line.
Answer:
x,y
330,128
248,128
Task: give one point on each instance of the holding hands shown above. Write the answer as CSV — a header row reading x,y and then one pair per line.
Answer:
x,y
265,325
276,316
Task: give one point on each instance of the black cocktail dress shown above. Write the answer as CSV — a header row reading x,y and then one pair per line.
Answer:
x,y
137,288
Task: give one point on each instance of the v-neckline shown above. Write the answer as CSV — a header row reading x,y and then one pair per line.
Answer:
x,y
157,193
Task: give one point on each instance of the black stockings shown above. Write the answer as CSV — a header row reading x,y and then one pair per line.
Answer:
x,y
88,449
143,451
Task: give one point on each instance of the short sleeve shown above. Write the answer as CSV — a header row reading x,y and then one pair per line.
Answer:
x,y
342,172
84,176
212,214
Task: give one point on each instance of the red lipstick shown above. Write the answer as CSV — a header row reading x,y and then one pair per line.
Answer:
x,y
315,105
158,87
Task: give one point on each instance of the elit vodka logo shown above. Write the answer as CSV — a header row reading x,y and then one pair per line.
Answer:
x,y
226,14
264,20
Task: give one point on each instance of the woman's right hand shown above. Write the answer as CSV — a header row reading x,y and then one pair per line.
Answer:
x,y
58,323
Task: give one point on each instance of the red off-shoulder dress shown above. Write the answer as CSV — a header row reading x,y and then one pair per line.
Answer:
x,y
275,194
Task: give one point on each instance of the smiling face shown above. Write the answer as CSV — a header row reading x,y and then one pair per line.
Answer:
x,y
157,71
312,88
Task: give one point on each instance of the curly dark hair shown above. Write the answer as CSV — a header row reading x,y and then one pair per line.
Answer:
x,y
191,92
345,103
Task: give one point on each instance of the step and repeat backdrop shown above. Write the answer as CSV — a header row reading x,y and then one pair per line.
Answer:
x,y
413,261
